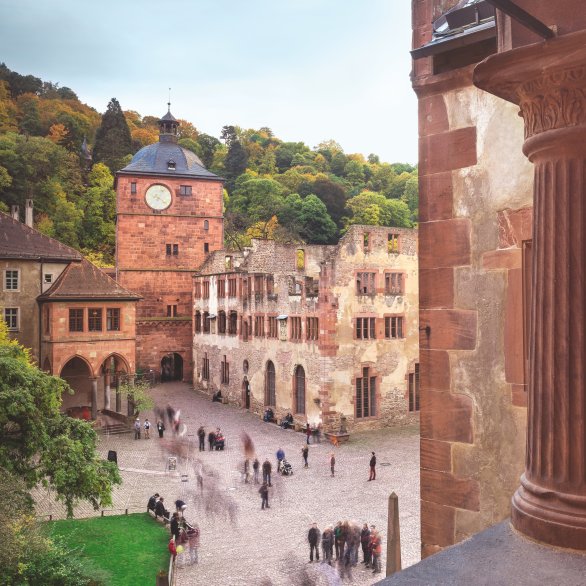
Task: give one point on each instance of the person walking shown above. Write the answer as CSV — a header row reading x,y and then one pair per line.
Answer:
x,y
280,458
313,537
137,429
332,464
193,541
338,540
372,467
247,471
255,468
376,549
211,440
175,527
305,453
160,428
266,472
307,432
264,495
364,541
327,545
201,434
147,429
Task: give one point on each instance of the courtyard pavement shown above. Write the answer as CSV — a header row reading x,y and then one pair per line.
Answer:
x,y
240,543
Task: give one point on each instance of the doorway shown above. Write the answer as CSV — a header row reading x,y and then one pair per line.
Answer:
x,y
246,393
171,367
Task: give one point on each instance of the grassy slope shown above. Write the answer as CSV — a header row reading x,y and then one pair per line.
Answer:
x,y
131,549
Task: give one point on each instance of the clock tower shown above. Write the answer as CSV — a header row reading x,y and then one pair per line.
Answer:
x,y
169,216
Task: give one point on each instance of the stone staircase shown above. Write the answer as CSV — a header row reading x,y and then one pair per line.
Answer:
x,y
114,429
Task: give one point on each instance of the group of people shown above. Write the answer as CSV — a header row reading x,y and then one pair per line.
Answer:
x,y
216,439
184,536
346,539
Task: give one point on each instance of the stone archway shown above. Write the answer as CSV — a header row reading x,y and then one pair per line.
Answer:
x,y
78,374
172,367
114,370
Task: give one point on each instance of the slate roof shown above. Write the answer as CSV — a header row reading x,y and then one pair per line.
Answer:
x,y
83,280
153,159
17,240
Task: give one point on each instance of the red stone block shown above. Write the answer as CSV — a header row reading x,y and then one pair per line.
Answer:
x,y
446,416
436,288
434,369
509,258
433,115
447,151
436,455
435,197
513,329
437,526
444,244
515,226
519,395
445,489
450,329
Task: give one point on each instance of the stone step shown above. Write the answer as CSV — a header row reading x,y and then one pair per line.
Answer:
x,y
115,429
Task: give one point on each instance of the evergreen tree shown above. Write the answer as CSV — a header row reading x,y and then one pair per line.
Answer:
x,y
236,157
113,140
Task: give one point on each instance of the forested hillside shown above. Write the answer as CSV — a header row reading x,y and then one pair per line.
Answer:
x,y
274,189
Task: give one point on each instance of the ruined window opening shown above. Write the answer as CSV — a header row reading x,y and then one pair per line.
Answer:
x,y
365,241
224,371
312,328
259,326
394,284
205,367
206,247
295,328
206,290
300,259
299,383
206,322
221,322
221,288
197,292
365,399
270,394
233,323
365,283
228,263
197,320
270,285
232,287
414,389
171,311
273,327
393,244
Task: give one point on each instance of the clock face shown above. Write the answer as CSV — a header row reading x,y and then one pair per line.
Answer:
x,y
158,197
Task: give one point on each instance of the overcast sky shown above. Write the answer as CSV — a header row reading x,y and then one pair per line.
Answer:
x,y
311,70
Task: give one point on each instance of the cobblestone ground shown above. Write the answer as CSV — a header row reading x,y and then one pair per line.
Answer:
x,y
240,544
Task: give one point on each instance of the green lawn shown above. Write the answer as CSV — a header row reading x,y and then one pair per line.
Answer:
x,y
131,549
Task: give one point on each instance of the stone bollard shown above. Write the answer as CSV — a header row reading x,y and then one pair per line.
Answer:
x,y
393,537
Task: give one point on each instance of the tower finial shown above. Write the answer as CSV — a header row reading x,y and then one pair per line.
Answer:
x,y
169,102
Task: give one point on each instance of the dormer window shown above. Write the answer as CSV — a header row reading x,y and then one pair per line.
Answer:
x,y
171,165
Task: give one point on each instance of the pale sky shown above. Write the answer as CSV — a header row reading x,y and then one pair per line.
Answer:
x,y
310,70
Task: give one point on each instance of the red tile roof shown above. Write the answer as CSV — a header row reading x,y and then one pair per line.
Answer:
x,y
83,280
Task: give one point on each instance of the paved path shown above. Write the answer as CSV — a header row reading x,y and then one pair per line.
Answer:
x,y
240,544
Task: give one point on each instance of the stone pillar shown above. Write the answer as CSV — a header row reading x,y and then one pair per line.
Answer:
x,y
548,82
107,377
118,396
130,402
94,382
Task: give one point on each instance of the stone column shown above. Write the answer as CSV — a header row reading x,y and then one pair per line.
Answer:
x,y
548,82
130,401
107,376
118,396
94,382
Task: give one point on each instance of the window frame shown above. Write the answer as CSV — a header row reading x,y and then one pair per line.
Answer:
x,y
6,287
95,323
365,328
365,397
15,316
113,319
82,313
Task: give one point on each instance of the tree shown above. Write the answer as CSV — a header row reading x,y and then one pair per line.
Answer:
x,y
236,157
375,209
411,196
309,218
257,199
38,443
333,195
208,145
113,140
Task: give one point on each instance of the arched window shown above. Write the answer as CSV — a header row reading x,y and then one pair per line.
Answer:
x,y
299,389
270,398
206,225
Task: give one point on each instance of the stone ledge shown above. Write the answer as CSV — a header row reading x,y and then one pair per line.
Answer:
x,y
496,556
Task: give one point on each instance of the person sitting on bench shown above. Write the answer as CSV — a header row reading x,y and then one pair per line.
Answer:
x,y
153,502
161,511
269,415
287,421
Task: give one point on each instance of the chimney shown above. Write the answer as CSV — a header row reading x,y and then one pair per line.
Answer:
x,y
28,213
15,213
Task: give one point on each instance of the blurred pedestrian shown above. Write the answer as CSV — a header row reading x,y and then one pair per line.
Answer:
x,y
246,471
327,545
364,541
137,429
332,463
313,537
211,439
201,434
264,495
280,458
372,475
255,468
147,429
266,472
193,541
305,453
308,432
160,428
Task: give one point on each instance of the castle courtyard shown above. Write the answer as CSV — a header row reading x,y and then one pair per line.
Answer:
x,y
240,543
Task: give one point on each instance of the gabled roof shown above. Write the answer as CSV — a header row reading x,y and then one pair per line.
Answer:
x,y
19,241
84,281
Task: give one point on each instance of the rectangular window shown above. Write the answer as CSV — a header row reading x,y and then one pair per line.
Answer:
x,y
295,331
197,319
228,263
11,318
175,249
270,285
133,188
205,367
11,280
259,326
394,327
76,320
206,247
185,190
258,286
312,328
365,400
113,319
206,322
197,289
365,328
273,327
221,288
365,283
393,244
233,323
365,242
394,284
48,278
225,371
414,389
206,290
171,311
47,318
300,259
221,322
168,249
232,287
94,320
